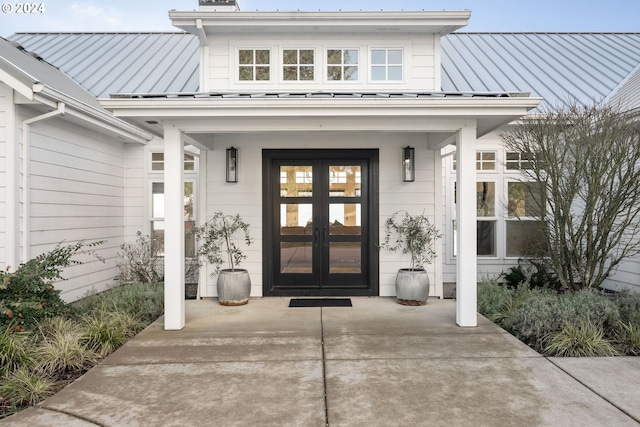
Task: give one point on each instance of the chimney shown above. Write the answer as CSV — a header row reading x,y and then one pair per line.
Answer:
x,y
220,5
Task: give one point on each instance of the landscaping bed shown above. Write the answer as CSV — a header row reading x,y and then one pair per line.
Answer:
x,y
570,324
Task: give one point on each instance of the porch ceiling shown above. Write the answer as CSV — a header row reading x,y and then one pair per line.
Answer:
x,y
439,114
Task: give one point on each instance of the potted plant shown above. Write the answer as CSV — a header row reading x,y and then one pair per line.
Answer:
x,y
414,235
218,242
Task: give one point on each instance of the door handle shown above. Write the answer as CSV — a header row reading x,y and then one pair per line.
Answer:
x,y
316,236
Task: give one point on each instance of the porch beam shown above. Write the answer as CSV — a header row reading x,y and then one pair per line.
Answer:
x,y
466,260
174,316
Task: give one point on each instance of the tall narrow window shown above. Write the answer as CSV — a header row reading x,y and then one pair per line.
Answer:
x,y
342,64
158,223
524,233
386,64
254,65
298,64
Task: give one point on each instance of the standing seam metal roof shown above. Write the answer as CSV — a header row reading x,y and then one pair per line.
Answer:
x,y
556,66
106,63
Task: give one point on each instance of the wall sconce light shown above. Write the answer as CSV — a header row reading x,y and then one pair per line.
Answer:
x,y
232,164
408,164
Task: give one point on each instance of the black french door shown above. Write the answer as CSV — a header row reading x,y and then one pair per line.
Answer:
x,y
320,222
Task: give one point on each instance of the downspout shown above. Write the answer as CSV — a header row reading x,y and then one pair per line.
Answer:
x,y
26,211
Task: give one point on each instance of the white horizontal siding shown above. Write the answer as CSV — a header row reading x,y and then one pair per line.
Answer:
x,y
245,197
5,108
420,59
77,193
135,197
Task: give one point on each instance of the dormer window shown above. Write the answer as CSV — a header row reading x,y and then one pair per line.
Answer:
x,y
386,64
254,65
342,64
298,64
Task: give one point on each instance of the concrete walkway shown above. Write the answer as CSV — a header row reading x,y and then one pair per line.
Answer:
x,y
376,364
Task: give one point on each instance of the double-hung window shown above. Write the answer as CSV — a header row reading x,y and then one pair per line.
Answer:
x,y
254,65
343,64
386,64
298,64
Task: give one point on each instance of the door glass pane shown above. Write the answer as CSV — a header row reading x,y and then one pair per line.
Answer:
x,y
345,257
296,219
345,219
296,181
296,257
345,181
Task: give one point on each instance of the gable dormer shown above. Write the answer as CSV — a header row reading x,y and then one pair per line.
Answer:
x,y
320,51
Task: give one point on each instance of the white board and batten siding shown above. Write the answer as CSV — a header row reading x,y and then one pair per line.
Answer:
x,y
420,54
246,198
77,193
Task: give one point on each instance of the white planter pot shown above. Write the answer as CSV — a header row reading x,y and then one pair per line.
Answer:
x,y
412,287
234,287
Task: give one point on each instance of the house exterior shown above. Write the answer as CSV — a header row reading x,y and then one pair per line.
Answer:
x,y
318,107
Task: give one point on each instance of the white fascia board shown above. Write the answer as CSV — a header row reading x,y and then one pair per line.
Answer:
x,y
89,114
441,22
18,80
262,107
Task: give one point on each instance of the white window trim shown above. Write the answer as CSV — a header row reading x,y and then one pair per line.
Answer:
x,y
326,65
317,65
370,66
235,67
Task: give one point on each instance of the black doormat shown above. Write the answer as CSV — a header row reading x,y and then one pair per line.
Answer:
x,y
320,302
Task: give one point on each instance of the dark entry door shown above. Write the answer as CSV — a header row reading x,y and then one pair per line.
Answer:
x,y
320,222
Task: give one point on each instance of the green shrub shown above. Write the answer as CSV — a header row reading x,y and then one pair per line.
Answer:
x,y
28,295
104,332
15,352
581,339
534,272
546,313
629,307
145,301
628,339
24,387
61,348
491,296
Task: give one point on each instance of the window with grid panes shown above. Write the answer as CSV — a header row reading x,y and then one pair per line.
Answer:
x,y
386,64
254,65
342,64
298,64
485,161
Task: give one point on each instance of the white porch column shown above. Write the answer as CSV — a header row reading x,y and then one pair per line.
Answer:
x,y
466,264
174,306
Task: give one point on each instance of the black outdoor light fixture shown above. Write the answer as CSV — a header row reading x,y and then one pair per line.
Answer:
x,y
232,164
408,164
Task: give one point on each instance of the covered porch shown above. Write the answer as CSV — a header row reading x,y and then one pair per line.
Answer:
x,y
213,123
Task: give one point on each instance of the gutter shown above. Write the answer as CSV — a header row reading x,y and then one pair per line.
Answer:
x,y
26,203
90,114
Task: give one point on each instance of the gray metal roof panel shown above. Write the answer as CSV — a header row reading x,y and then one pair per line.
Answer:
x,y
555,66
627,94
107,63
40,71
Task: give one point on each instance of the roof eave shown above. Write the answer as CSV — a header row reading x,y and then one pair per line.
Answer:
x,y
440,22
